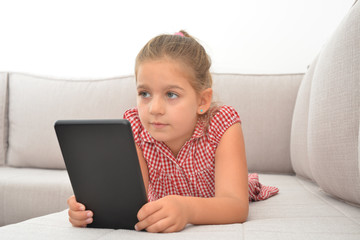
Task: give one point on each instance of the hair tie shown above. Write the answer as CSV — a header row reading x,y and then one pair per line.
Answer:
x,y
179,34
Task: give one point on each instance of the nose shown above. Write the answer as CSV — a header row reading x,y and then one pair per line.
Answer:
x,y
157,106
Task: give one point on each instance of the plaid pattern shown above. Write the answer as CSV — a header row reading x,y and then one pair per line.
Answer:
x,y
257,191
192,173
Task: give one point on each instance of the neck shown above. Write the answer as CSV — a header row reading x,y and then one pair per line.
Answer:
x,y
175,147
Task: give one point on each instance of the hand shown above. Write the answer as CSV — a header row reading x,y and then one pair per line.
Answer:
x,y
168,214
77,214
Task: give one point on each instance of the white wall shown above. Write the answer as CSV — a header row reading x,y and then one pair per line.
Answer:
x,y
91,39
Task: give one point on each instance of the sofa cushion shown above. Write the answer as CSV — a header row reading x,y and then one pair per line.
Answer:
x,y
35,103
299,128
26,193
300,211
265,104
334,112
3,117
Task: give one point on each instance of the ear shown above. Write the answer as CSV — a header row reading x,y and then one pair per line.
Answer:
x,y
205,99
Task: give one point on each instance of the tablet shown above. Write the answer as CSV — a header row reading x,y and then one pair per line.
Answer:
x,y
104,171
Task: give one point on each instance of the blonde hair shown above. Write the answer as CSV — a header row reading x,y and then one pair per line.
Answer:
x,y
184,48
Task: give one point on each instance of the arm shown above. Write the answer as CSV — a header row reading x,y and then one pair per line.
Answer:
x,y
230,204
143,167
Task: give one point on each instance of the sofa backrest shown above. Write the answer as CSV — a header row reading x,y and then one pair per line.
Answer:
x,y
299,131
3,116
35,103
265,104
325,132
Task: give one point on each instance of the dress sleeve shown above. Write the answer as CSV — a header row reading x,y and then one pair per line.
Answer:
x,y
132,116
224,118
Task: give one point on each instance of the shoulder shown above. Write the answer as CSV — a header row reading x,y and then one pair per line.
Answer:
x,y
132,115
223,118
225,114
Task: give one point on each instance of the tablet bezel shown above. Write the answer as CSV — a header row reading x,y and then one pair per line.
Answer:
x,y
104,170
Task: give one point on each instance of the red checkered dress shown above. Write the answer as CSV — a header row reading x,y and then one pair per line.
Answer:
x,y
192,173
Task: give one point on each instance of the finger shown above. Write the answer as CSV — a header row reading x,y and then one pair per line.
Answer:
x,y
80,215
150,220
80,223
74,205
160,226
71,200
172,228
148,209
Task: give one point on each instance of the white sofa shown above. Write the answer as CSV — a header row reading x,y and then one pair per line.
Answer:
x,y
301,133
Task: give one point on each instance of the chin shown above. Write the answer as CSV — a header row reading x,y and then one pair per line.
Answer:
x,y
159,136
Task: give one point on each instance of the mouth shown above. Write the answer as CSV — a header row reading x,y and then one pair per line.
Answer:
x,y
158,125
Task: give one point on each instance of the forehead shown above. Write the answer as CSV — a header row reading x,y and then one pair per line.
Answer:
x,y
165,72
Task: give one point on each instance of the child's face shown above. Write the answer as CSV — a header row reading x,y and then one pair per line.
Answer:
x,y
167,102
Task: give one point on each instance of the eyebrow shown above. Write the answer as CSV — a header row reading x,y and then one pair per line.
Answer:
x,y
144,86
141,86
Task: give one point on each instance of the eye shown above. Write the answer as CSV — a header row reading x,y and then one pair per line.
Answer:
x,y
144,94
172,95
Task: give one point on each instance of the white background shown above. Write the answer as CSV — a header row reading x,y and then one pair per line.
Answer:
x,y
92,39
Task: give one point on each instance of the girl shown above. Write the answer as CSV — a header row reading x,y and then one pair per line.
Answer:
x,y
191,152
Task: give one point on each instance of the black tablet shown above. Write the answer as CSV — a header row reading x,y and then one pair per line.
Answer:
x,y
102,163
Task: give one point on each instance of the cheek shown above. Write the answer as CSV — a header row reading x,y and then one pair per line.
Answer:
x,y
141,104
138,102
185,113
142,111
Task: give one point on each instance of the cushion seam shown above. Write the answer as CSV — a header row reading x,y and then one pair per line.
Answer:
x,y
327,203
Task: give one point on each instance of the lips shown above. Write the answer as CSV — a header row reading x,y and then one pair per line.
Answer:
x,y
158,125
